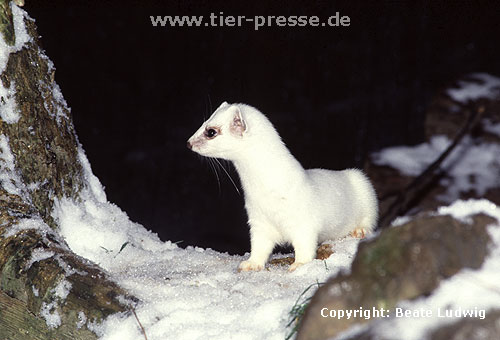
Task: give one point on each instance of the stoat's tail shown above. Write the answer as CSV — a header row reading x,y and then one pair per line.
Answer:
x,y
366,199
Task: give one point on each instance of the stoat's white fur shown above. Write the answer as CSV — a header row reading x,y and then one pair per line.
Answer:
x,y
284,202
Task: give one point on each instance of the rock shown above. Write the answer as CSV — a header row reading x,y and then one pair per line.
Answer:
x,y
402,263
484,329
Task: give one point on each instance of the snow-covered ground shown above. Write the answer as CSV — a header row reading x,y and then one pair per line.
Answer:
x,y
190,293
197,293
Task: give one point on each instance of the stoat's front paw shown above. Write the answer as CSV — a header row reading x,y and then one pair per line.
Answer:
x,y
247,266
294,266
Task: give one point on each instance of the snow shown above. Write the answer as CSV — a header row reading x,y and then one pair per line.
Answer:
x,y
37,255
62,289
476,167
412,160
9,177
95,186
54,102
8,108
185,291
82,320
472,166
461,209
29,223
22,37
481,85
49,310
491,127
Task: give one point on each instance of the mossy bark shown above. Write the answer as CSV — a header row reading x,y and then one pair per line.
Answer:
x,y
44,145
6,24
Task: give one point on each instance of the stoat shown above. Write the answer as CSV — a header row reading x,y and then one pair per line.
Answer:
x,y
285,203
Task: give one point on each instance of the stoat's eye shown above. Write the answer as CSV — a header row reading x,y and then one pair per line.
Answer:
x,y
210,133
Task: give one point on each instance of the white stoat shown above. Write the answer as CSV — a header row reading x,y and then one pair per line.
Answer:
x,y
284,202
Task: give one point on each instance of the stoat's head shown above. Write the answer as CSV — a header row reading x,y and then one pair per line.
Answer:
x,y
222,135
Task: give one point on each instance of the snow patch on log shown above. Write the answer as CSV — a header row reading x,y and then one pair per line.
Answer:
x,y
9,178
8,108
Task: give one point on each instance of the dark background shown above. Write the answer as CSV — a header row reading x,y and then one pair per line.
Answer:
x,y
138,92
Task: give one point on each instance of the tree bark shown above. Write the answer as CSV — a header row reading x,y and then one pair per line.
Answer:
x,y
44,148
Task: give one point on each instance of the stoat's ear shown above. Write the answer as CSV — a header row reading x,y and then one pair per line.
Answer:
x,y
238,125
224,104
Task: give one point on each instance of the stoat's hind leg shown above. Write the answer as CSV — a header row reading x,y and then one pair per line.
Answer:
x,y
359,233
364,228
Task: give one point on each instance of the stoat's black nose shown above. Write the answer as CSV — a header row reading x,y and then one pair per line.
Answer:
x,y
189,146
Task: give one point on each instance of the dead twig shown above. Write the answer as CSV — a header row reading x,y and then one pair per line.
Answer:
x,y
401,199
140,325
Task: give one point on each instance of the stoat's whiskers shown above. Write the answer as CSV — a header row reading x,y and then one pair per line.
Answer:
x,y
227,173
213,166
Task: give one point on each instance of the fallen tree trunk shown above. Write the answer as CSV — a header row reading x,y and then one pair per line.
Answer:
x,y
46,291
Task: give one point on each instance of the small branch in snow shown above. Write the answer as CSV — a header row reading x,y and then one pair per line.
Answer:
x,y
140,324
